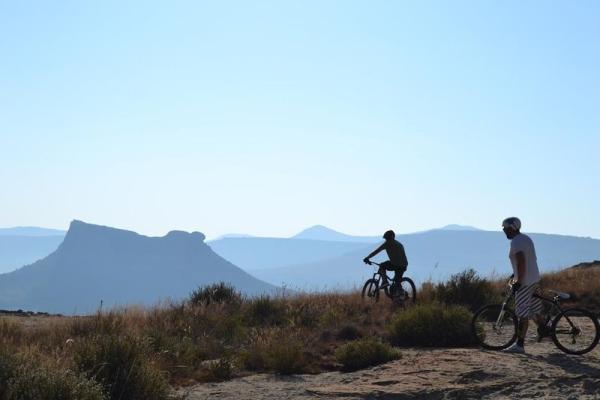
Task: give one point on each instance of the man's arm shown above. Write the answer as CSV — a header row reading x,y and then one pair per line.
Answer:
x,y
375,252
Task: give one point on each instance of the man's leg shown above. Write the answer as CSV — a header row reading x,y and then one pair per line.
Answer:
x,y
522,331
523,309
384,267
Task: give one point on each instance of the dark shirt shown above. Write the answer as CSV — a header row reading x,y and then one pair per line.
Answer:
x,y
395,252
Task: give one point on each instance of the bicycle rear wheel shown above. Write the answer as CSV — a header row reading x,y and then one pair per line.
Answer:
x,y
371,290
409,290
575,331
494,328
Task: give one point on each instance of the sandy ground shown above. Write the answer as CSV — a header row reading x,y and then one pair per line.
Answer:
x,y
544,373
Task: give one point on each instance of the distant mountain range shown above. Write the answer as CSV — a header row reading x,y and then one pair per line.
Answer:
x,y
302,262
23,245
30,231
130,268
96,263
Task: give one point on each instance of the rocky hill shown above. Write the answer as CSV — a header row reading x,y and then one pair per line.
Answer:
x,y
118,267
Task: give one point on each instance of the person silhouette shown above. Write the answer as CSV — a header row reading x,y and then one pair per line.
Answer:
x,y
397,257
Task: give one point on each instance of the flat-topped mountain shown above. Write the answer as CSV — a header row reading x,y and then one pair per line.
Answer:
x,y
97,263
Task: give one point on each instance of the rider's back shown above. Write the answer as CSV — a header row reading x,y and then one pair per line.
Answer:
x,y
396,253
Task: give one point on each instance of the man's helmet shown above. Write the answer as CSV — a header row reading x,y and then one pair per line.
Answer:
x,y
512,222
389,235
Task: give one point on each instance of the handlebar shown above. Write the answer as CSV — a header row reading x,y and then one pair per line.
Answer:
x,y
373,262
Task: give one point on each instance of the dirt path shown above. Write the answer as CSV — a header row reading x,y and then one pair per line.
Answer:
x,y
545,372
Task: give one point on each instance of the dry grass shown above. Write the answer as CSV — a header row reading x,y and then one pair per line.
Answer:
x,y
202,340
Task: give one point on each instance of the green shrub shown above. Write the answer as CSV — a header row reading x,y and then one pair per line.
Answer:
x,y
364,353
467,289
216,293
349,332
432,325
286,356
121,366
266,311
8,368
51,384
181,355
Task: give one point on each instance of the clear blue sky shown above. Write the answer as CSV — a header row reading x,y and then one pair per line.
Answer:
x,y
268,117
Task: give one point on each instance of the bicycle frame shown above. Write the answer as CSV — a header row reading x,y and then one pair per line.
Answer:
x,y
548,315
378,274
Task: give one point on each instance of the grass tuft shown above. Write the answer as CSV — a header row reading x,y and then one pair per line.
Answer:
x,y
365,353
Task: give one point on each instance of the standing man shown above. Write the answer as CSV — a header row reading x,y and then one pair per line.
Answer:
x,y
526,275
397,257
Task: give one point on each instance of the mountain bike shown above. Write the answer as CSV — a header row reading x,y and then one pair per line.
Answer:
x,y
573,330
399,292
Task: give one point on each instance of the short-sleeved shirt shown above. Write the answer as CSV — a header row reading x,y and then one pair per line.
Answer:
x,y
395,252
523,243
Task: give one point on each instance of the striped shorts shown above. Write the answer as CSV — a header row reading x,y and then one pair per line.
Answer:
x,y
527,306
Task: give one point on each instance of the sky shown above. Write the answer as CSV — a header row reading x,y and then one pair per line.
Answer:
x,y
267,117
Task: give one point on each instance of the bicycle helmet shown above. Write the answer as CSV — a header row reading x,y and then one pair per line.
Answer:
x,y
512,222
389,235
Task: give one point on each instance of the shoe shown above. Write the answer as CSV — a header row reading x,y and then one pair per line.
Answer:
x,y
515,348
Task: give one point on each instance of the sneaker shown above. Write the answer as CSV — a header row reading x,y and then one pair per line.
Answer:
x,y
515,348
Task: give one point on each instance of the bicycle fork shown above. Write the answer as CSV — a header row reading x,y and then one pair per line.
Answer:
x,y
498,324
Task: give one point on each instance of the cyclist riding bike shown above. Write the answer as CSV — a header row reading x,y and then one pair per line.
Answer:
x,y
397,257
526,276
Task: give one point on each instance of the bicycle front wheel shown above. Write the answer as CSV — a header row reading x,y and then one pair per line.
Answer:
x,y
494,327
575,331
371,290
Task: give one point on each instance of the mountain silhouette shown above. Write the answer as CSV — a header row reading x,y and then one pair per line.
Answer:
x,y
434,254
320,232
16,251
252,254
97,263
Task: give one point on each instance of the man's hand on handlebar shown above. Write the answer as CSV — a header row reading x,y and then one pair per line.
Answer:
x,y
516,286
367,261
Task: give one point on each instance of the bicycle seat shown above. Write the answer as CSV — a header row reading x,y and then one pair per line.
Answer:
x,y
561,295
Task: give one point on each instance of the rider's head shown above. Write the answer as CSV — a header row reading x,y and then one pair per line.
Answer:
x,y
511,227
389,235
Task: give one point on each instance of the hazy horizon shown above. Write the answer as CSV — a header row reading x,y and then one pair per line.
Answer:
x,y
266,118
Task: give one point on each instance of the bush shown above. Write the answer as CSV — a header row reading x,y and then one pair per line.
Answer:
x,y
218,293
432,325
349,332
364,353
8,367
51,384
466,289
217,370
22,378
286,356
121,366
266,311
275,351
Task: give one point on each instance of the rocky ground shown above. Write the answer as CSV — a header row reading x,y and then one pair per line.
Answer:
x,y
545,372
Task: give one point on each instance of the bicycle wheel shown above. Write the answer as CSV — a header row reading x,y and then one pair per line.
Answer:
x,y
493,327
575,331
371,290
409,290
